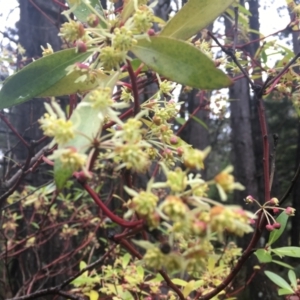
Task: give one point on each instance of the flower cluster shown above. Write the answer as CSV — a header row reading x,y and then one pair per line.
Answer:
x,y
54,124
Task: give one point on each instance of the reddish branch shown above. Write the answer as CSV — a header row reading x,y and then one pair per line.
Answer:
x,y
135,90
107,211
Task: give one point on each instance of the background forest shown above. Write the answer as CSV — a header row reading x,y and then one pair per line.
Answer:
x,y
45,239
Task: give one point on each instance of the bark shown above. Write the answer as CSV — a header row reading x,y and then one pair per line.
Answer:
x,y
295,230
34,30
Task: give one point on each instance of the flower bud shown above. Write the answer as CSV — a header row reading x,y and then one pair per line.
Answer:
x,y
269,227
276,225
93,20
80,47
290,211
174,140
151,32
274,202
249,199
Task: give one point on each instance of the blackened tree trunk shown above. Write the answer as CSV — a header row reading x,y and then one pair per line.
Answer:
x,y
38,25
295,230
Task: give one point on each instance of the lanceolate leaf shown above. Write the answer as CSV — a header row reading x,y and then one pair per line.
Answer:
x,y
275,234
279,281
193,17
68,85
180,62
82,11
38,77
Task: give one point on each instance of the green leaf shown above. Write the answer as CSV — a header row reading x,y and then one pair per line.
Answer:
x,y
61,174
293,279
282,292
275,234
263,256
180,62
94,295
264,56
38,77
278,281
89,126
67,85
179,282
190,286
282,264
243,10
287,251
127,11
193,17
82,11
125,260
140,272
144,244
199,121
82,265
180,121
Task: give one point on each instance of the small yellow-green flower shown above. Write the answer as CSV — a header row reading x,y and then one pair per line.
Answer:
x,y
54,124
225,183
47,51
177,180
72,31
144,203
70,158
194,158
111,58
123,39
143,19
101,100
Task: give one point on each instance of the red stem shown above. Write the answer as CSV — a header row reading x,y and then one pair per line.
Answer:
x,y
11,127
135,90
107,211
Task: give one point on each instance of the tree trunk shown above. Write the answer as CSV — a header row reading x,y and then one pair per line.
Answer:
x,y
295,230
35,30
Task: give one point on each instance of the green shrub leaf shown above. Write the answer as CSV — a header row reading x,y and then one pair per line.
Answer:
x,y
38,77
287,251
193,17
180,62
275,234
82,10
279,281
263,256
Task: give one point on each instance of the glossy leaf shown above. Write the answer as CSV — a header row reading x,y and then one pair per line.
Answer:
x,y
278,281
275,234
38,77
68,85
193,17
180,62
82,11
